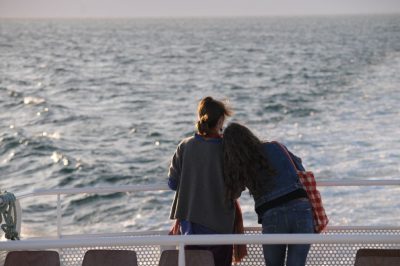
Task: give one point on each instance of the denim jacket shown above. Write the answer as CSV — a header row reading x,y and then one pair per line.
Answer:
x,y
285,179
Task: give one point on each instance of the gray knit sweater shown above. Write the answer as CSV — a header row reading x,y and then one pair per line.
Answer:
x,y
197,169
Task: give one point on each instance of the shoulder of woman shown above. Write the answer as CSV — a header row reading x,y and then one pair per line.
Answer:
x,y
186,140
283,148
274,147
275,143
270,143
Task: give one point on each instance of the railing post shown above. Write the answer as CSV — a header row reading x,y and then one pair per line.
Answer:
x,y
181,256
58,215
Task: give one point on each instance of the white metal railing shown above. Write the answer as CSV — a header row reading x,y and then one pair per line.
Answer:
x,y
227,239
163,187
159,187
98,190
182,241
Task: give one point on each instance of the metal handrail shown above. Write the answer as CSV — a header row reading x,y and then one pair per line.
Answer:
x,y
106,189
163,186
183,240
258,229
225,239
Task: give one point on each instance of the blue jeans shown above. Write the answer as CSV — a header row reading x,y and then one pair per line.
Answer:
x,y
292,217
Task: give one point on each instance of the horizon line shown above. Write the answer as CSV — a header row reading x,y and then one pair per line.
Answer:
x,y
200,16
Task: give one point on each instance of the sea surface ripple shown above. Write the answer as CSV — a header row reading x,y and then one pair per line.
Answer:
x,y
88,103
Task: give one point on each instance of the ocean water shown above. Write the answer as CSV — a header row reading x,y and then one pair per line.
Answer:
x,y
86,103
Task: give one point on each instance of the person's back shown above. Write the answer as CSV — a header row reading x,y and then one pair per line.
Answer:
x,y
197,169
280,200
196,174
284,179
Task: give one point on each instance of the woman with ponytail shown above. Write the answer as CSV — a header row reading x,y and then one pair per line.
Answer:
x,y
196,173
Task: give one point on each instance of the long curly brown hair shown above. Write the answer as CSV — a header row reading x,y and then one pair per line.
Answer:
x,y
243,160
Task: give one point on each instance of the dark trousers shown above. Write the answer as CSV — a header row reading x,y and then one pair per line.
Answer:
x,y
222,253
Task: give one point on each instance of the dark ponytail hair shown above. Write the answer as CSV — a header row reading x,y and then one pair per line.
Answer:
x,y
209,112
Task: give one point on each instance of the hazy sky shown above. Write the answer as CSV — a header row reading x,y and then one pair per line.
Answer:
x,y
173,8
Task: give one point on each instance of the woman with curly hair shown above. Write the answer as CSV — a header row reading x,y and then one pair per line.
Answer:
x,y
280,200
